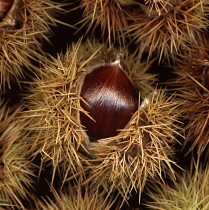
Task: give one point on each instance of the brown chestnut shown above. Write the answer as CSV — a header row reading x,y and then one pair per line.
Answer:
x,y
5,6
111,99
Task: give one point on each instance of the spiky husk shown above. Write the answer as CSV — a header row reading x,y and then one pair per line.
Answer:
x,y
21,34
54,105
193,97
122,162
110,16
190,190
16,170
169,33
144,148
82,198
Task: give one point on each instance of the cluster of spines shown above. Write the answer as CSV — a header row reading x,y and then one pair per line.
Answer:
x,y
189,190
16,171
158,28
123,162
83,198
25,28
192,93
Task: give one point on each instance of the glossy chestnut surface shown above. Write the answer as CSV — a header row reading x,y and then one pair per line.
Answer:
x,y
5,6
112,99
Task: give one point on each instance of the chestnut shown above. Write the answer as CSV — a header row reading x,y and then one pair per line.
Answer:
x,y
111,100
5,6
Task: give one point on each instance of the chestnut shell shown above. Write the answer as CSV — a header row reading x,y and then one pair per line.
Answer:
x,y
111,99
